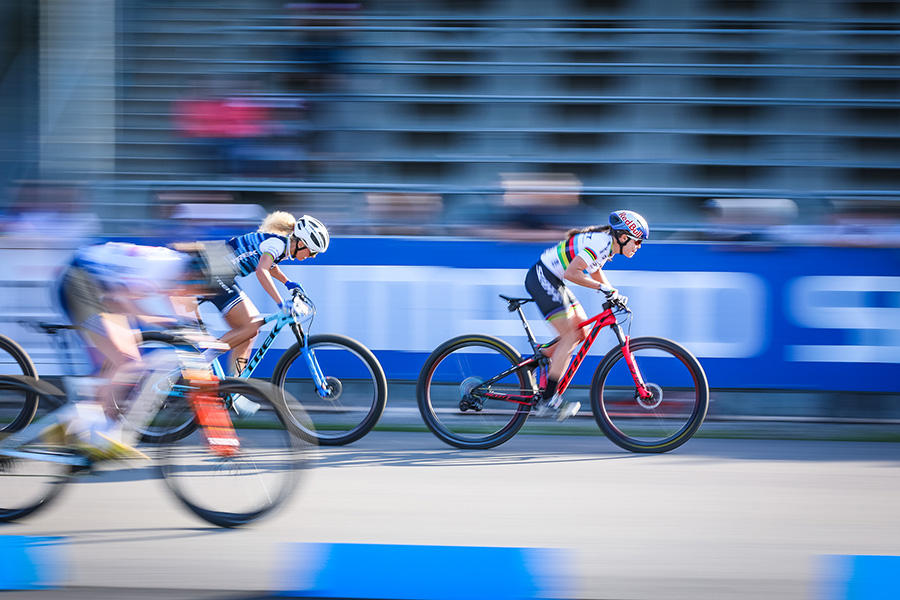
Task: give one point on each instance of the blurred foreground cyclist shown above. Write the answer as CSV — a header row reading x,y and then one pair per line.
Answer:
x,y
107,291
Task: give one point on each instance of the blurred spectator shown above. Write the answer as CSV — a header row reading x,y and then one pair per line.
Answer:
x,y
246,133
538,205
318,62
871,223
198,117
400,213
321,43
35,205
747,219
214,216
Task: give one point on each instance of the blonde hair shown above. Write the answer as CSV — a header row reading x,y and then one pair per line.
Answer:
x,y
572,232
279,222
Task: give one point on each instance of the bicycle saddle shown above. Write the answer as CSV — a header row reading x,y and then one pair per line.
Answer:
x,y
515,303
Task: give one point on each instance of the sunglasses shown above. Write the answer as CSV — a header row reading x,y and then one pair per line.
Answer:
x,y
637,241
299,248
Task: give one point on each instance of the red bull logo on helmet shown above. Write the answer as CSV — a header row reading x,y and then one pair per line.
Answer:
x,y
634,227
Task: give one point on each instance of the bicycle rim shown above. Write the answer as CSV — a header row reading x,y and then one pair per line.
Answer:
x,y
451,390
30,481
233,490
17,406
663,422
28,484
357,389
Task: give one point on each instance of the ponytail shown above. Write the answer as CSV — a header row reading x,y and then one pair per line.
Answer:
x,y
279,222
573,232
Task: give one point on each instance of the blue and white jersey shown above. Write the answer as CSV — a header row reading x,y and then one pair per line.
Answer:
x,y
137,270
248,250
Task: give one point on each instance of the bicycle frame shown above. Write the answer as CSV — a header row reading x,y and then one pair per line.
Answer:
x,y
282,320
149,400
607,318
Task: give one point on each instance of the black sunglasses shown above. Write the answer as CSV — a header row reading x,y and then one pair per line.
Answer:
x,y
299,248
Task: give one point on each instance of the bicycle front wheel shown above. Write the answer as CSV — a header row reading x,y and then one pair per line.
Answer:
x,y
254,476
356,388
452,389
666,420
17,406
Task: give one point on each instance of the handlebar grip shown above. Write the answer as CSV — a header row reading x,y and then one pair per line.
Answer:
x,y
619,305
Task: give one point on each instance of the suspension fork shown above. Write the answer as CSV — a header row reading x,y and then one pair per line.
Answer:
x,y
310,357
625,343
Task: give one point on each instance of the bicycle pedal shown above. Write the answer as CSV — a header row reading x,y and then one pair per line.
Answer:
x,y
541,409
568,410
555,402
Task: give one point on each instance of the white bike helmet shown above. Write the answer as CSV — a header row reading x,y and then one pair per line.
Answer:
x,y
628,221
312,233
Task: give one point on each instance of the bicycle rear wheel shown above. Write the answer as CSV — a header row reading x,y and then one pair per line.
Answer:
x,y
35,476
357,388
236,489
451,392
17,406
666,420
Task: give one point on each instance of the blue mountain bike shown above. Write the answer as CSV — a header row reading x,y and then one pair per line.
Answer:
x,y
338,381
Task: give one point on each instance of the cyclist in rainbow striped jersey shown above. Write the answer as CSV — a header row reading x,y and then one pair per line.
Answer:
x,y
578,258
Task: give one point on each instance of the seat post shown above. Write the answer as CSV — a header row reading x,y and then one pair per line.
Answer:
x,y
531,339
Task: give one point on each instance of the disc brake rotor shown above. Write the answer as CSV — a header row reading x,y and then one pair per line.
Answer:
x,y
654,400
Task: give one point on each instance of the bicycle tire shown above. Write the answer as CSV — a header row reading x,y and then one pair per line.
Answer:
x,y
666,421
28,484
448,376
355,378
231,491
17,407
162,427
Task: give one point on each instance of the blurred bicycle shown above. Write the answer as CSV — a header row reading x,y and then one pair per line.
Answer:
x,y
225,475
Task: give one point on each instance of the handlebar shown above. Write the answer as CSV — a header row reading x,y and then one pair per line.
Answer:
x,y
303,306
617,305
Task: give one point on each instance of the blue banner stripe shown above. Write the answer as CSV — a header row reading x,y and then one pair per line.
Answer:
x,y
30,563
401,572
860,578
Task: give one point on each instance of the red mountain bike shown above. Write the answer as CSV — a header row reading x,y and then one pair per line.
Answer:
x,y
648,394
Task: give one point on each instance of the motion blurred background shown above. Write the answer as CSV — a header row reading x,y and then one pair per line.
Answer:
x,y
445,143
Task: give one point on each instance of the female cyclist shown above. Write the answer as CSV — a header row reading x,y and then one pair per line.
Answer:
x,y
280,237
579,258
107,291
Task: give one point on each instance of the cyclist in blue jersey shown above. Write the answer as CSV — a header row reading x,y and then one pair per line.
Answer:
x,y
280,237
579,258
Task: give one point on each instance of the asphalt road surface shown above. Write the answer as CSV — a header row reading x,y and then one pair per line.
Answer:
x,y
713,519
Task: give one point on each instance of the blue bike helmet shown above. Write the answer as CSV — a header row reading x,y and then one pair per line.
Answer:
x,y
628,221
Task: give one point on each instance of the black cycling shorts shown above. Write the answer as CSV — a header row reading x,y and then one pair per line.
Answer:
x,y
230,296
550,293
